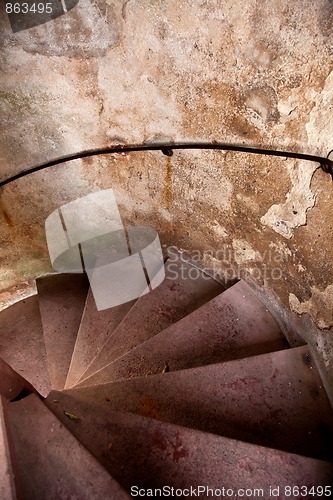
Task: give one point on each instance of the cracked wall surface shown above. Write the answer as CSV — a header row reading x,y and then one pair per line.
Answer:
x,y
122,72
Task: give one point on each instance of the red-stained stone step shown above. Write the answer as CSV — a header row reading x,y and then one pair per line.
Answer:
x,y
12,385
184,289
61,300
95,329
142,452
233,325
22,343
275,400
51,463
7,487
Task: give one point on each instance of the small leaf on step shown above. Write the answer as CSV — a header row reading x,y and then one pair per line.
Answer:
x,y
166,369
71,416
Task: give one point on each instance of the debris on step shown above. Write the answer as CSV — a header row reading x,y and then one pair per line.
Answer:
x,y
72,416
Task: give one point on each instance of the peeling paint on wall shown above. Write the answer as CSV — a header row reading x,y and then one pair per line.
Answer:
x,y
287,216
319,306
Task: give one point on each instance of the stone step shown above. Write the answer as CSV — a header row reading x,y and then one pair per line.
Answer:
x,y
51,463
233,325
7,486
183,290
142,452
95,329
22,343
274,400
61,301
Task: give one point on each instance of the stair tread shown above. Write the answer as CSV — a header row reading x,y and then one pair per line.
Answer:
x,y
7,488
233,325
95,329
157,453
273,399
61,301
177,296
22,343
51,462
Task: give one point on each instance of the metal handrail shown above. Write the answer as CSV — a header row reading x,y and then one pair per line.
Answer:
x,y
167,148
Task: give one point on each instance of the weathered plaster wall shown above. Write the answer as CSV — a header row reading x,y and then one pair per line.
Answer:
x,y
113,71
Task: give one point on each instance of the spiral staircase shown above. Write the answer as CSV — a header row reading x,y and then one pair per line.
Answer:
x,y
192,384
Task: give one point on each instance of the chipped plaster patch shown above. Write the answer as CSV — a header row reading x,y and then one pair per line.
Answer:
x,y
287,111
319,306
218,229
285,217
243,252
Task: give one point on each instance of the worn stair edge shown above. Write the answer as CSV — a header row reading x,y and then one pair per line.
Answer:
x,y
51,462
22,343
61,302
275,400
184,289
7,481
148,453
233,325
95,329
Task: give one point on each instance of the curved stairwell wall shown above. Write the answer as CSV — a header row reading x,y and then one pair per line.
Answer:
x,y
121,72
